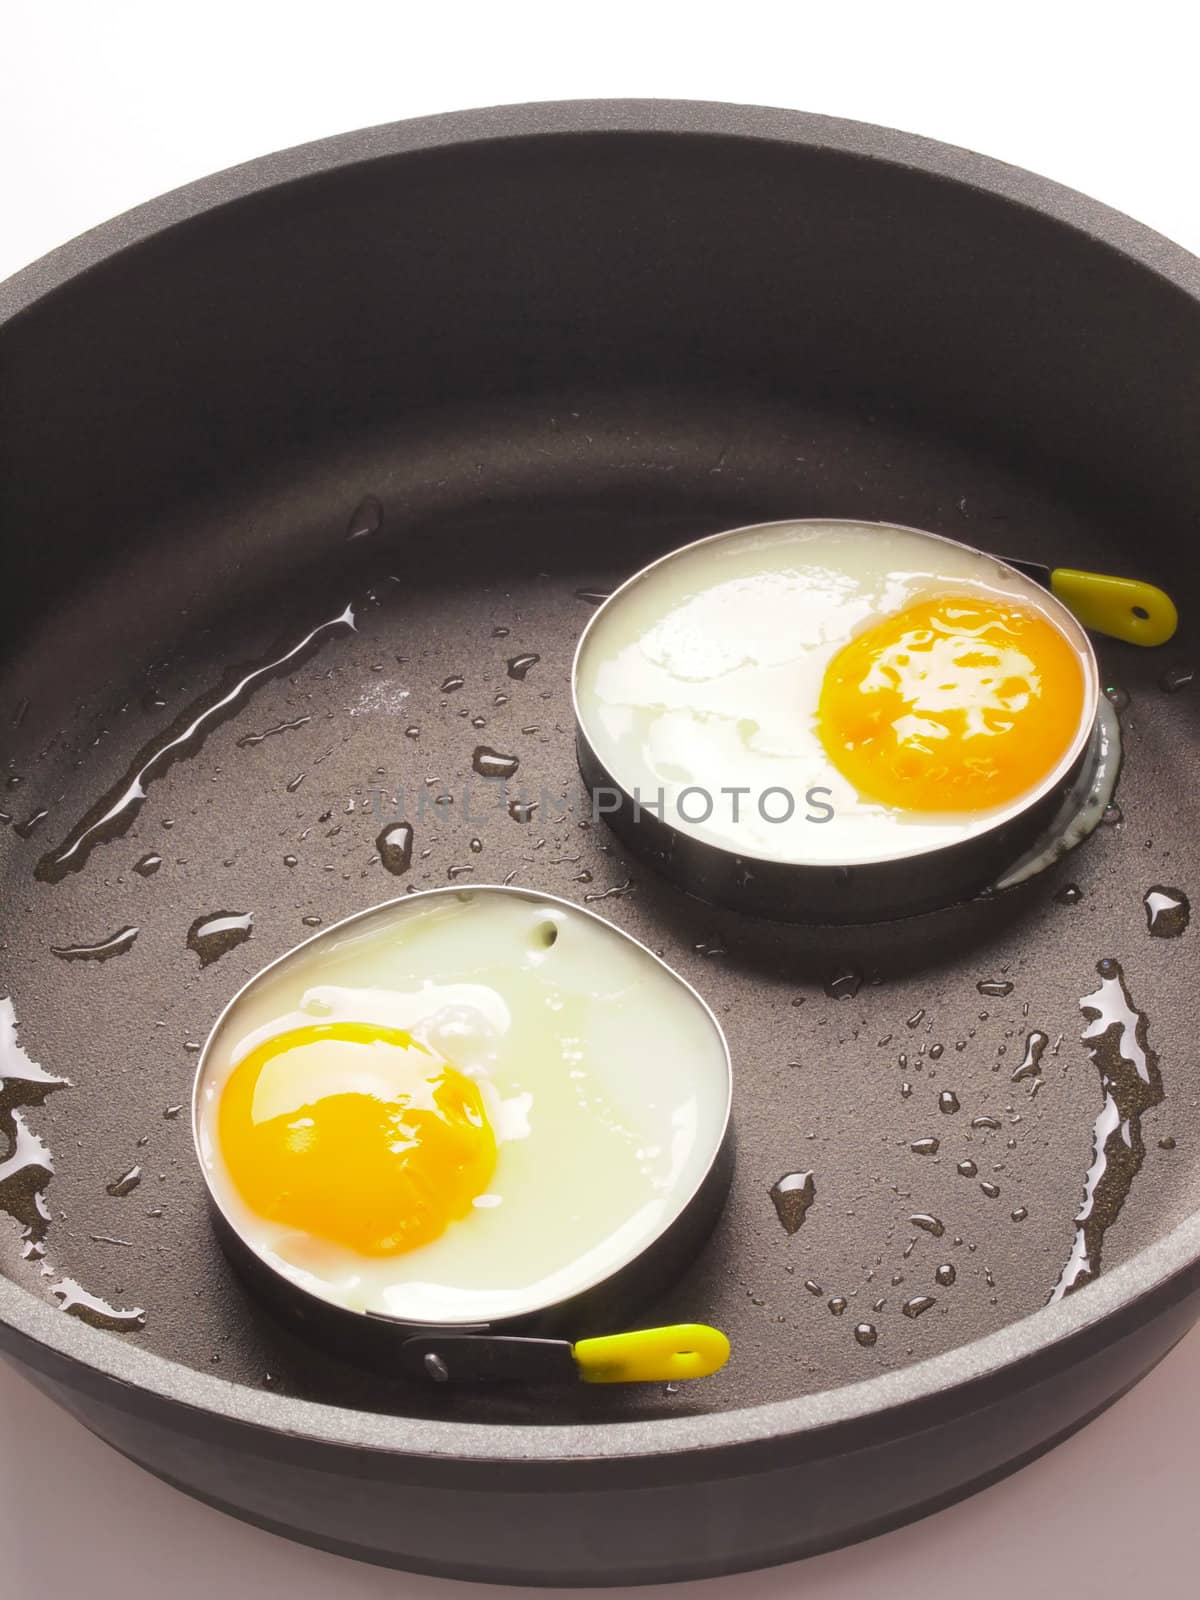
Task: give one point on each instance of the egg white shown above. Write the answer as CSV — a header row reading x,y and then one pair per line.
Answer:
x,y
704,673
605,1079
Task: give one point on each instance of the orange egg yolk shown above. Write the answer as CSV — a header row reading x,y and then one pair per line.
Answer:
x,y
355,1134
955,704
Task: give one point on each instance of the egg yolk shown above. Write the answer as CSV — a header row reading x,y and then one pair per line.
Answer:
x,y
355,1134
954,704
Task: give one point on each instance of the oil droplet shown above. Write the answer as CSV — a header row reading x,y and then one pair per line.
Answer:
x,y
1118,698
452,684
992,1190
994,988
714,945
866,1334
519,666
924,1147
918,1305
792,1196
948,1102
1167,1142
490,763
1031,1062
291,861
916,1019
1112,815
214,935
365,519
905,1091
103,950
1176,678
813,1287
593,597
522,810
838,1304
936,1051
148,865
985,1122
967,1168
1019,1214
930,1224
1115,1037
125,1184
113,814
395,846
97,1313
249,740
311,921
844,985
1069,895
454,873
1168,911
172,1112
945,1274
412,731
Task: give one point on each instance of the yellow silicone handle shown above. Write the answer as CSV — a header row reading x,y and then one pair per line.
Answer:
x,y
653,1355
1123,608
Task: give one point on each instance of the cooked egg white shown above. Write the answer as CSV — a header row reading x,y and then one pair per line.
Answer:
x,y
870,692
460,1106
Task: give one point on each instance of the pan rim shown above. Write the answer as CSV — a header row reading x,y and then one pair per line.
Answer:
x,y
1163,1270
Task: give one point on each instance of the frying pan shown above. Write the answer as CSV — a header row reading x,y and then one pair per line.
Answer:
x,y
458,375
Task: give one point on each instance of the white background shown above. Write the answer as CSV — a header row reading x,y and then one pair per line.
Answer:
x,y
105,103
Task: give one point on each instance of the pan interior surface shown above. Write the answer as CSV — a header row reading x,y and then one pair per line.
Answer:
x,y
295,634
932,1082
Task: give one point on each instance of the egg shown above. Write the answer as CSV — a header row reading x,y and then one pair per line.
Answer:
x,y
833,692
461,1106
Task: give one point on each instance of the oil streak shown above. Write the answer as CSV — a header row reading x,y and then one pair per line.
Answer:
x,y
27,1166
26,1170
115,945
113,814
365,519
1115,1037
97,1313
249,740
617,892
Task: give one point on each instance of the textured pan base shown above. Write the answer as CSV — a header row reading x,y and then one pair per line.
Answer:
x,y
497,522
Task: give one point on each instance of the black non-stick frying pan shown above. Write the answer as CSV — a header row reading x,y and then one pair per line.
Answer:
x,y
462,375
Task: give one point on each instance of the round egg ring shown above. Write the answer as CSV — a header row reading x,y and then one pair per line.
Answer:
x,y
1025,836
399,1344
